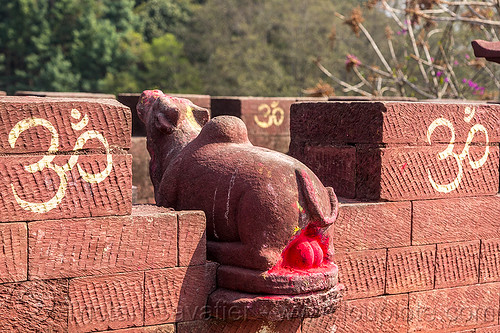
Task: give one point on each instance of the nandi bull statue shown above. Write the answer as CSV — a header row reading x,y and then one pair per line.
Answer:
x,y
266,212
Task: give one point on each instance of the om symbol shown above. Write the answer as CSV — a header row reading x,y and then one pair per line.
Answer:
x,y
273,115
46,161
448,152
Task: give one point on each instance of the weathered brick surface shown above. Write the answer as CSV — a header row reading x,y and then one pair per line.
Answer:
x,y
140,171
13,252
45,198
275,142
3,93
192,238
34,306
404,172
247,326
106,302
387,122
262,115
410,269
167,328
457,264
108,117
460,219
178,294
376,314
59,94
363,226
454,308
334,165
147,239
362,272
490,260
131,99
491,329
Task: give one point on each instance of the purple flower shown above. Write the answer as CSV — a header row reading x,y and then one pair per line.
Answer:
x,y
467,56
439,73
464,80
446,79
455,63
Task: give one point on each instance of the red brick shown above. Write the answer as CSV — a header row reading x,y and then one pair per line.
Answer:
x,y
489,263
60,94
106,116
106,302
275,142
131,99
457,264
362,272
460,219
491,329
377,314
192,238
335,166
82,247
112,196
248,326
454,308
257,110
178,294
13,252
140,171
387,122
410,269
167,328
402,172
34,306
363,226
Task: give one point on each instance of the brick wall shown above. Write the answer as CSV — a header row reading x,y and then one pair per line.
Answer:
x,y
413,259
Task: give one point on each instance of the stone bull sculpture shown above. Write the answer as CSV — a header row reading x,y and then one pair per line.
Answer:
x,y
266,212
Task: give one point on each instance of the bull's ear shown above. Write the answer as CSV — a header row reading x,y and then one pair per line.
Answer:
x,y
201,115
167,117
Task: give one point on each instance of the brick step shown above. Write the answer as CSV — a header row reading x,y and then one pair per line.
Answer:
x,y
399,150
60,94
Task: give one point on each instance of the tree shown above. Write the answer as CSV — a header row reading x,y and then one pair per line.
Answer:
x,y
425,52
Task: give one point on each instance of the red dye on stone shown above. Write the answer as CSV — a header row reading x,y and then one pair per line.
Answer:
x,y
305,254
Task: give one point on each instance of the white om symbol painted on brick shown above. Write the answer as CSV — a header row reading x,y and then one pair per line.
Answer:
x,y
46,161
448,152
272,115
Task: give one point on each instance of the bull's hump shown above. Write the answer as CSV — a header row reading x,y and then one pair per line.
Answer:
x,y
224,129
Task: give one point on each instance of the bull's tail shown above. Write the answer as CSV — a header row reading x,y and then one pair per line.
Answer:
x,y
312,203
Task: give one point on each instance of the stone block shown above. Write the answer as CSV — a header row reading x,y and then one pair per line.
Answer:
x,y
368,226
36,187
416,172
13,252
457,308
410,269
178,294
389,122
457,264
59,94
147,239
33,124
458,219
334,165
489,263
106,302
403,150
491,329
192,240
167,328
376,314
34,306
362,272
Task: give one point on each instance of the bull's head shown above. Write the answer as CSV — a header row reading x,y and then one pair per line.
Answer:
x,y
171,123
